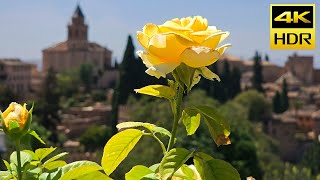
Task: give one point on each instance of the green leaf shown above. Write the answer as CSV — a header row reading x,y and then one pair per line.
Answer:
x,y
196,79
131,124
199,158
218,127
172,161
191,120
157,91
150,127
155,167
51,176
58,156
54,164
77,164
138,172
187,171
186,74
94,175
162,131
24,157
34,134
13,125
4,174
6,163
208,74
32,154
216,169
80,171
44,152
118,148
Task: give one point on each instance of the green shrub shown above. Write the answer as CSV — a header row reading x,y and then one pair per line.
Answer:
x,y
95,137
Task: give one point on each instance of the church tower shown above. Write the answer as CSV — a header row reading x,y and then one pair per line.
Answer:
x,y
77,29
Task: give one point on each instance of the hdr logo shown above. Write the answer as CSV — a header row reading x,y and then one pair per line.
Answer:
x,y
292,26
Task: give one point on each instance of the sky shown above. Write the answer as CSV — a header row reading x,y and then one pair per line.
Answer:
x,y
28,27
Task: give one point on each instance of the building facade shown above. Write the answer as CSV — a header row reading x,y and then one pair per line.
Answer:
x,y
77,49
16,75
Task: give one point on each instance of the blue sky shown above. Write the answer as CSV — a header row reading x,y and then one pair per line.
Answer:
x,y
27,27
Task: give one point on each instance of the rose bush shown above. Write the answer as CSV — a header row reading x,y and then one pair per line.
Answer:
x,y
187,40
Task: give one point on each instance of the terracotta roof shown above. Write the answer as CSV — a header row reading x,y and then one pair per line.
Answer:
x,y
13,62
63,46
251,63
290,79
230,57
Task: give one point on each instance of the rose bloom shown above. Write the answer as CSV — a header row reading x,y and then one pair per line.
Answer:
x,y
186,40
16,112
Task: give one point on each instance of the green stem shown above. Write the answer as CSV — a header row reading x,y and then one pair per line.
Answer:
x,y
18,159
161,144
159,141
176,106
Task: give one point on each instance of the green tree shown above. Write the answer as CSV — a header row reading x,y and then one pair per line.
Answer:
x,y
68,82
47,109
235,87
127,69
284,96
311,158
6,97
277,103
266,57
86,75
115,108
256,104
257,78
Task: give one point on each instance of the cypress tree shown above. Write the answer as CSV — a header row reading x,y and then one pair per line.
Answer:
x,y
235,82
284,96
277,104
257,78
222,92
115,109
48,107
127,73
266,57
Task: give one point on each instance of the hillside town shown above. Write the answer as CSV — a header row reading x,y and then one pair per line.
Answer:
x,y
294,129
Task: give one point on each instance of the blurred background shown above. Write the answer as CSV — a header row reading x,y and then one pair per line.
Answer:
x,y
76,61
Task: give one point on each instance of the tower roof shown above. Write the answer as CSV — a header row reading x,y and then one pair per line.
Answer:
x,y
78,12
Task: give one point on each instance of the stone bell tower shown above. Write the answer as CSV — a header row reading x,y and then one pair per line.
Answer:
x,y
77,29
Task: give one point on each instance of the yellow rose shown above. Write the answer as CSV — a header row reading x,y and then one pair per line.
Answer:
x,y
187,40
16,113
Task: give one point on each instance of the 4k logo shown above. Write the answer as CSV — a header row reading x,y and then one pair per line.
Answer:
x,y
292,26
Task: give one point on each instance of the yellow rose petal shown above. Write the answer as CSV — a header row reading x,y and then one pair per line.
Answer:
x,y
197,24
148,59
160,70
176,20
200,36
185,21
169,46
199,56
222,49
224,36
143,39
213,40
212,28
8,110
150,29
23,115
170,26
